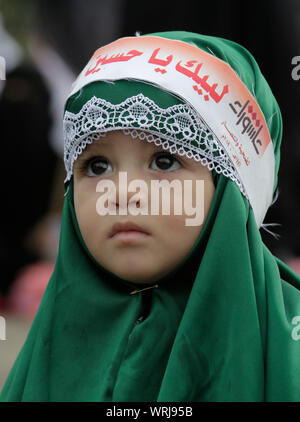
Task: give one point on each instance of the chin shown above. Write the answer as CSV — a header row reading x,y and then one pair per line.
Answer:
x,y
138,278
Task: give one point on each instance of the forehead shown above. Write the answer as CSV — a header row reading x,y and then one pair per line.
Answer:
x,y
117,139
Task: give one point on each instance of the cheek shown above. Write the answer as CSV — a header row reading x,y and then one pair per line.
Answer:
x,y
196,199
176,235
175,241
183,230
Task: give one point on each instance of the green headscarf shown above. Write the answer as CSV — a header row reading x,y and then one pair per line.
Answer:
x,y
223,326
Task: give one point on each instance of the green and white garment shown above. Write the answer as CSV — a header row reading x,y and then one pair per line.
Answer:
x,y
223,326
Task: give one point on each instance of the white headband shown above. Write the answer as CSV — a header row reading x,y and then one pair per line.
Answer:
x,y
225,106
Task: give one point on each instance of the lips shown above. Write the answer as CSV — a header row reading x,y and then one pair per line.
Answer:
x,y
126,227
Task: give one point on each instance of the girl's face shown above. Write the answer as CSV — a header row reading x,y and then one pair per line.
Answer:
x,y
166,239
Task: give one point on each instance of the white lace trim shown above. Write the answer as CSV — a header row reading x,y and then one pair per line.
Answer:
x,y
178,129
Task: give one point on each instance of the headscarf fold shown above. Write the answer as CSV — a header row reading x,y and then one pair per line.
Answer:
x,y
222,326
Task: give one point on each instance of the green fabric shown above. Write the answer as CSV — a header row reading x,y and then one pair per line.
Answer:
x,y
218,328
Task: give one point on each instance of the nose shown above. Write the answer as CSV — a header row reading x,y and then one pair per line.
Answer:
x,y
131,192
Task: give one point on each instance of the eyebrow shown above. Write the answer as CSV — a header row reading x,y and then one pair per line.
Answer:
x,y
94,147
101,141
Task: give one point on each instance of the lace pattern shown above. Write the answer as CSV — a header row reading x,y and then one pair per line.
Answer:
x,y
177,129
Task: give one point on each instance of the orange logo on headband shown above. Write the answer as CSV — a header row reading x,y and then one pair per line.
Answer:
x,y
247,117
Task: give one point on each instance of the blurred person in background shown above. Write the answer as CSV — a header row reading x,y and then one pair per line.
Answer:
x,y
28,159
30,220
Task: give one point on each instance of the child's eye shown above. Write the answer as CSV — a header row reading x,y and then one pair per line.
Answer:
x,y
164,161
97,166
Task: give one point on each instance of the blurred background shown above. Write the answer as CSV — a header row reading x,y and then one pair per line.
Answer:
x,y
45,44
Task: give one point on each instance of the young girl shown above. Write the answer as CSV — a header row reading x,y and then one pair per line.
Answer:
x,y
152,307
